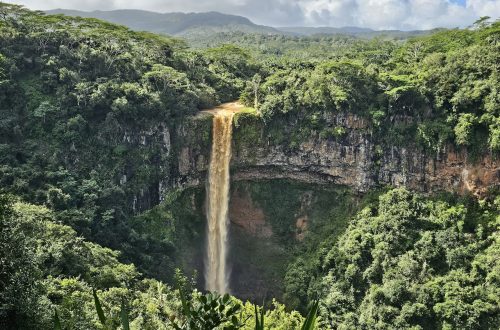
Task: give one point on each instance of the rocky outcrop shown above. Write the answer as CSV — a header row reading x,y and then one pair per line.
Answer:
x,y
354,159
450,170
244,214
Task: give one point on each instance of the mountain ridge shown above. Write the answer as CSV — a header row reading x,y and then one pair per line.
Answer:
x,y
203,23
175,23
350,30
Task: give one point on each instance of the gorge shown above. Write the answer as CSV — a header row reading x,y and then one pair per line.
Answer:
x,y
363,175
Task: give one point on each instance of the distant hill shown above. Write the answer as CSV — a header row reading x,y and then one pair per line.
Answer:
x,y
304,30
353,31
198,27
179,24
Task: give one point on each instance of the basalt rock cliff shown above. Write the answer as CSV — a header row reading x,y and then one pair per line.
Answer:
x,y
356,159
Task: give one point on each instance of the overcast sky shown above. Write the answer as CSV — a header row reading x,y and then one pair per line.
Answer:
x,y
375,14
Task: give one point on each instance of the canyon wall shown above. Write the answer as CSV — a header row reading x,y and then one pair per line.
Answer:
x,y
269,218
355,159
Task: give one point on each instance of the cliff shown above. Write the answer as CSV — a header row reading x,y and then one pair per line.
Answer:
x,y
355,160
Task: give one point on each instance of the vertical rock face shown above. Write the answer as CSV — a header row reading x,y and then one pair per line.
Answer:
x,y
450,171
247,216
354,159
140,155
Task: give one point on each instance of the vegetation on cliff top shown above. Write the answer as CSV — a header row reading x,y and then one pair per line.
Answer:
x,y
435,89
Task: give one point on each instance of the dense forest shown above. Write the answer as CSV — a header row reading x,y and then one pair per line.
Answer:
x,y
97,222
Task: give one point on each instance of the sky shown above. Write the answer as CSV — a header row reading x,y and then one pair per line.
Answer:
x,y
375,14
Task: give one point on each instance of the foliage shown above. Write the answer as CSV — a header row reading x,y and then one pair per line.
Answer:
x,y
309,322
445,82
87,112
409,262
54,272
210,311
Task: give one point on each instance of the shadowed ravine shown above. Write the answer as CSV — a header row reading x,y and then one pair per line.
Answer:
x,y
216,270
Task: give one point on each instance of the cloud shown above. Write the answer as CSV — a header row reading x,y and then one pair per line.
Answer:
x,y
397,14
376,14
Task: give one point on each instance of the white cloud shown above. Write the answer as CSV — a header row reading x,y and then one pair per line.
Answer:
x,y
397,14
485,7
376,14
329,12
383,14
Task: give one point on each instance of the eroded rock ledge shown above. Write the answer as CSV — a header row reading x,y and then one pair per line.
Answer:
x,y
355,160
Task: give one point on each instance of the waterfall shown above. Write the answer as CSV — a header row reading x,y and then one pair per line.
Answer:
x,y
216,272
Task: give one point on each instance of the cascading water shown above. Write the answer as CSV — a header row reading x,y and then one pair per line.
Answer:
x,y
216,272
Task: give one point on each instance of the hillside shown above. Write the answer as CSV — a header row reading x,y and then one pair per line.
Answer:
x,y
179,24
354,31
198,27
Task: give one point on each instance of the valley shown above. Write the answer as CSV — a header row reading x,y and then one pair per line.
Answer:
x,y
340,181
